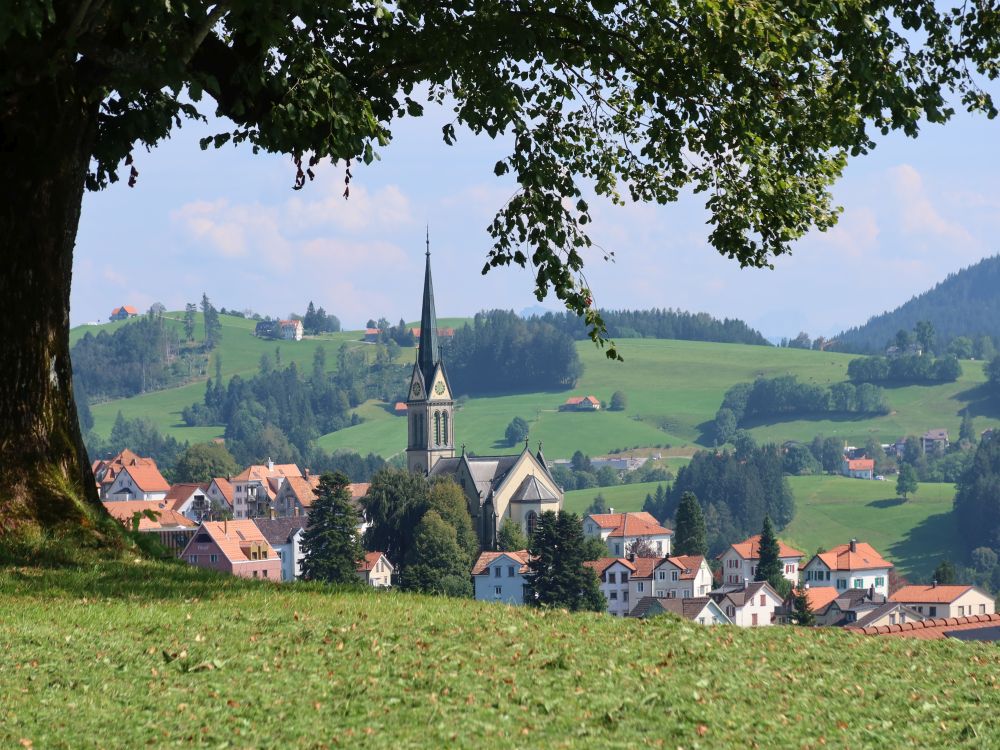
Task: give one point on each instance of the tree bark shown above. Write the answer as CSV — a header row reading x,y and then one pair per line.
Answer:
x,y
46,136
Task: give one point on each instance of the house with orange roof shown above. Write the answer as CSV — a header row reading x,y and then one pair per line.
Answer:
x,y
235,547
621,530
740,560
443,333
123,313
985,628
107,470
138,481
371,335
297,495
222,494
753,605
614,574
154,517
191,499
678,577
855,565
834,608
858,468
290,330
500,576
581,403
940,600
256,487
376,570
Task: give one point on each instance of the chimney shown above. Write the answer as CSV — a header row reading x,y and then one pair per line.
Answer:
x,y
225,526
631,557
611,510
270,464
806,585
854,545
746,582
934,584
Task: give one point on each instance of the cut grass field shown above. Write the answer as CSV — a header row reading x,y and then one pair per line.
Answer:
x,y
915,535
150,655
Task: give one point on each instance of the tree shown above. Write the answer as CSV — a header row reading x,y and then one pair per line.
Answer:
x,y
447,499
690,535
202,462
656,504
906,481
580,462
924,332
641,547
944,573
967,430
725,425
618,401
517,431
599,505
84,85
395,503
557,576
802,341
189,312
802,613
594,548
511,537
329,545
213,328
436,562
961,347
833,455
770,568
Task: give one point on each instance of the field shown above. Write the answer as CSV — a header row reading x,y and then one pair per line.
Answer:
x,y
142,655
915,535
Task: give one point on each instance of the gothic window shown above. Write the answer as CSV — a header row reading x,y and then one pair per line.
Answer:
x,y
444,427
437,428
421,431
531,521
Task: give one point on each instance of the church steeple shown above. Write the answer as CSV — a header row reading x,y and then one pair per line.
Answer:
x,y
430,353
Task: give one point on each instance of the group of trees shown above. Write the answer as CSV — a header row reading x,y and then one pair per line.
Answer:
x,y
503,353
661,324
992,370
907,368
581,475
786,396
317,320
399,334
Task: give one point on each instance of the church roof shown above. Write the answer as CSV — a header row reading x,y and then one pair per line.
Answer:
x,y
488,472
532,491
429,353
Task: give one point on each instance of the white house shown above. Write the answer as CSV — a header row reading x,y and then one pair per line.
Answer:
x,y
191,500
855,565
615,575
290,330
138,482
221,493
500,576
620,530
255,489
376,570
285,536
938,600
858,468
739,562
750,606
700,609
936,439
680,577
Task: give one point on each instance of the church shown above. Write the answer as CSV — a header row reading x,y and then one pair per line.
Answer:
x,y
518,487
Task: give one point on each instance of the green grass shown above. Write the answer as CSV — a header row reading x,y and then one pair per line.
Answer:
x,y
915,535
142,655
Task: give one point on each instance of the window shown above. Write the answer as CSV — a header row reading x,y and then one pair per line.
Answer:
x,y
659,546
531,521
731,611
879,581
961,611
437,428
611,578
444,427
859,583
618,550
789,568
624,578
841,583
193,559
625,596
213,558
661,575
265,573
982,609
753,619
255,574
932,611
673,575
892,619
640,587
496,572
613,596
498,591
763,600
510,571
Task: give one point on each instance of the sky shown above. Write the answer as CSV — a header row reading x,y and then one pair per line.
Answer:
x,y
227,223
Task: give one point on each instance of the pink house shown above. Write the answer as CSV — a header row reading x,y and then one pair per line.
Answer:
x,y
235,547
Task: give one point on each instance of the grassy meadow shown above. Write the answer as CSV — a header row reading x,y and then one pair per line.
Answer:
x,y
125,655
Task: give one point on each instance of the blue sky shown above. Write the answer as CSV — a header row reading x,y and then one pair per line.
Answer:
x,y
228,223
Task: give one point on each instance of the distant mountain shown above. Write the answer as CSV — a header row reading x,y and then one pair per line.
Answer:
x,y
966,303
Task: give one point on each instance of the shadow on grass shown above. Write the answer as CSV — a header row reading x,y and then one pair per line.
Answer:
x,y
889,502
927,544
981,400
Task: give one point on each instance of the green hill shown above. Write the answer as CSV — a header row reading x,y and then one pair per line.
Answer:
x,y
144,655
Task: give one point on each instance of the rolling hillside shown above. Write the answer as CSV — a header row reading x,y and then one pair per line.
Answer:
x,y
673,388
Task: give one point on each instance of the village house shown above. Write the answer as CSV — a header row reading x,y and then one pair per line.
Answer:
x,y
855,565
399,409
749,606
221,494
297,495
139,481
173,530
739,562
371,335
290,330
581,403
833,608
107,470
858,468
679,577
890,613
191,500
939,600
255,489
700,609
285,536
123,313
934,441
500,576
621,530
614,574
376,570
235,547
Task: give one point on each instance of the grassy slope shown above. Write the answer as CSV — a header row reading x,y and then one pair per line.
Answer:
x,y
132,656
915,535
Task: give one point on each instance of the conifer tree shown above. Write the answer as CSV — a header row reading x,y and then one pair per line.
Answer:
x,y
330,545
557,576
511,538
802,613
436,563
189,311
690,534
770,568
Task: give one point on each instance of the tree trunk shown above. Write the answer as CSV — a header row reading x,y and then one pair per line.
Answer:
x,y
46,135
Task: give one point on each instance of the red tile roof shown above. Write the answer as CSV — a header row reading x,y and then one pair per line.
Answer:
x,y
638,523
125,510
370,560
601,564
749,549
861,464
486,558
400,407
689,565
933,629
575,400
863,558
147,478
127,308
820,597
233,536
225,487
940,594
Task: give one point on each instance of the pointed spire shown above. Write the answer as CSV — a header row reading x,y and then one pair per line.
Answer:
x,y
429,353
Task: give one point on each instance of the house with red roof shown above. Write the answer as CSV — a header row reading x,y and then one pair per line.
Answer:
x,y
940,600
256,487
123,313
740,560
297,495
221,493
191,500
376,570
614,574
138,481
855,565
834,608
500,576
290,330
858,468
235,547
173,529
581,403
621,530
677,577
285,536
107,470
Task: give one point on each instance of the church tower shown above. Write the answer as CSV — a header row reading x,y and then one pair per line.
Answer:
x,y
429,406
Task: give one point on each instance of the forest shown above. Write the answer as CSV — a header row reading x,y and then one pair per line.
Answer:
x,y
904,370
661,324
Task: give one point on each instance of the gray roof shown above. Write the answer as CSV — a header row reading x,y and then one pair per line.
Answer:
x,y
740,595
532,491
689,608
429,353
884,609
280,530
487,471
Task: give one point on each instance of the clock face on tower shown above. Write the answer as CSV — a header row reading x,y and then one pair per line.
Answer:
x,y
439,388
415,390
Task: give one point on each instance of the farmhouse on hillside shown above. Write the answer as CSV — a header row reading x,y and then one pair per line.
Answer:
x,y
581,403
858,468
290,330
124,313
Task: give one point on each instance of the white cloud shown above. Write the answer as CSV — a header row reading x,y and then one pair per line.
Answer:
x,y
918,215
